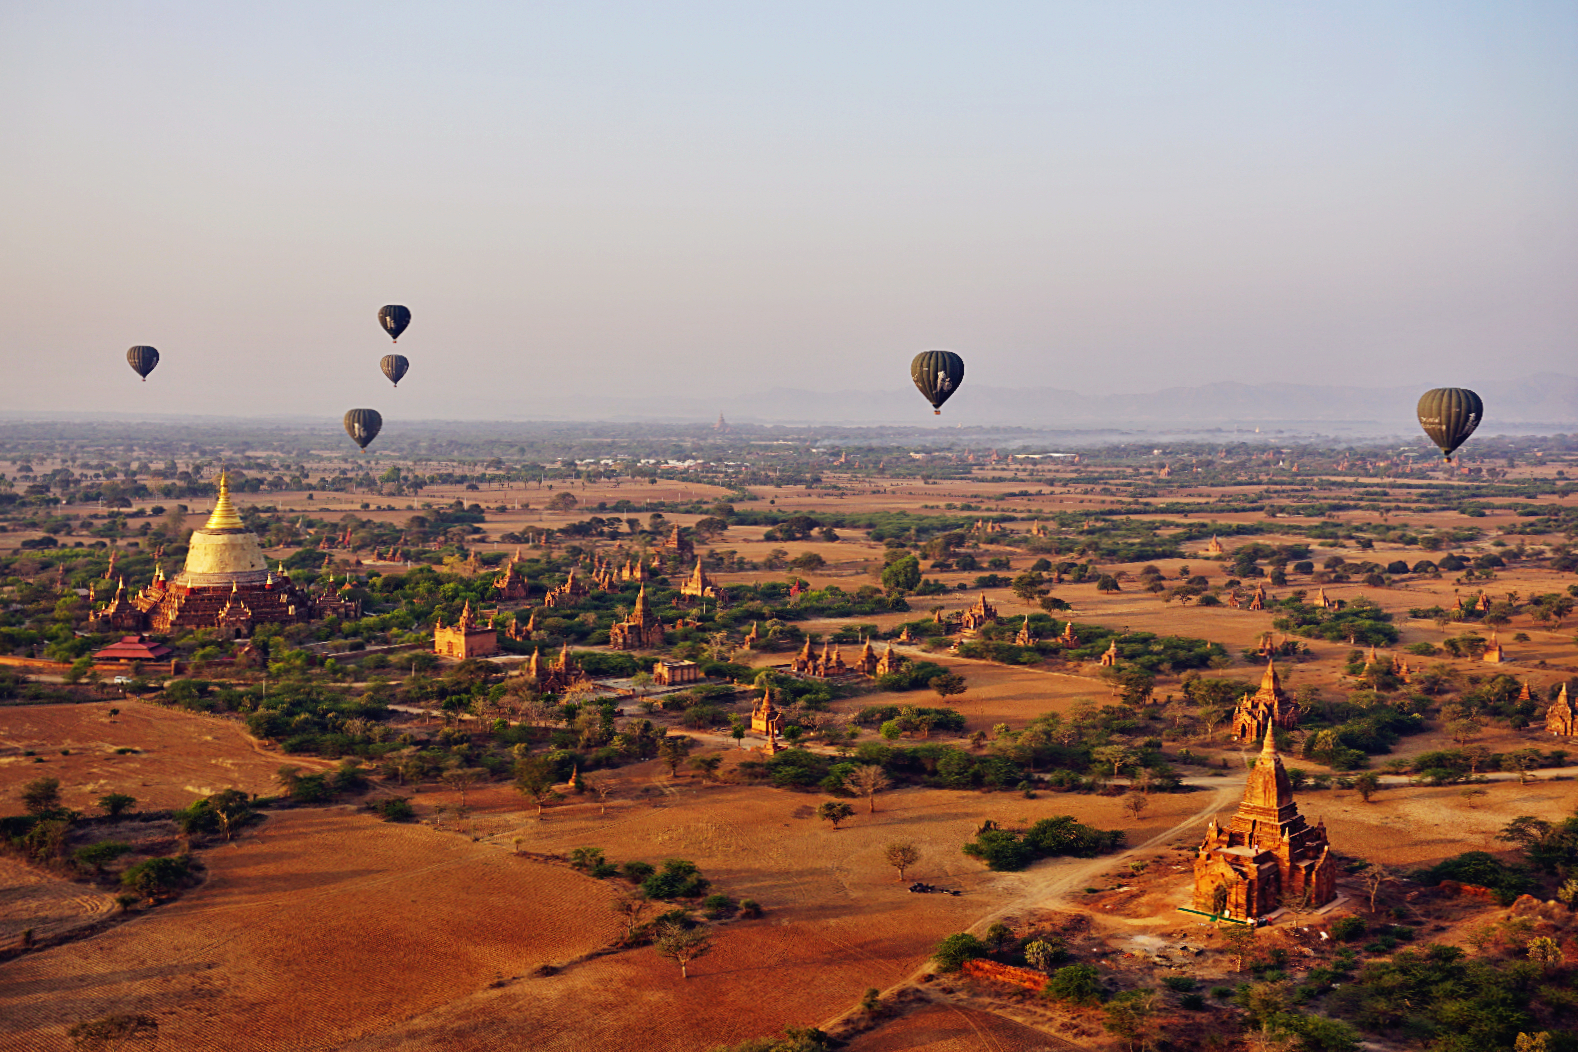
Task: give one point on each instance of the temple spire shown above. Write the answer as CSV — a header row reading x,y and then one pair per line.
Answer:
x,y
224,516
1269,682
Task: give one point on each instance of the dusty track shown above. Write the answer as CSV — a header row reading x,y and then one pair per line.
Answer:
x,y
1052,889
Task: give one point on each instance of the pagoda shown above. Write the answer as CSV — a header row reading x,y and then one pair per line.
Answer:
x,y
700,586
226,584
1561,719
642,630
1267,853
980,615
511,586
1267,707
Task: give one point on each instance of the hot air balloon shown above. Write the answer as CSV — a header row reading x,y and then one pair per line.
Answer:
x,y
363,425
142,360
1449,415
394,318
938,374
394,367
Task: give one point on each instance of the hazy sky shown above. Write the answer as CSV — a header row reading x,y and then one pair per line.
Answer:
x,y
717,198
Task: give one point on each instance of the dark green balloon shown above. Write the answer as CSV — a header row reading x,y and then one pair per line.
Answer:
x,y
938,374
394,367
142,360
1449,415
394,318
363,425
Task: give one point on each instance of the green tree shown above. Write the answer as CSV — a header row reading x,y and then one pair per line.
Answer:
x,y
673,749
1131,1017
1117,755
586,858
834,811
707,766
155,878
1367,784
534,779
116,804
1042,954
998,936
953,951
1076,983
41,795
463,779
947,684
1544,951
902,575
97,856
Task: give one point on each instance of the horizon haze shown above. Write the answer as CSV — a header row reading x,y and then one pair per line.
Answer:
x,y
600,207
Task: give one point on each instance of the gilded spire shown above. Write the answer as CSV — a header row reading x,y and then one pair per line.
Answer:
x,y
224,516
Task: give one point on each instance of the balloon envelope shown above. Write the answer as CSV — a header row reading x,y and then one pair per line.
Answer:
x,y
1449,415
938,374
394,318
142,360
363,425
394,367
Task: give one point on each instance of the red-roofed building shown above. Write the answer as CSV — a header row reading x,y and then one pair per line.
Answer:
x,y
134,648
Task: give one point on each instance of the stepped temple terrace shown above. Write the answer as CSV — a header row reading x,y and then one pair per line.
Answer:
x,y
226,584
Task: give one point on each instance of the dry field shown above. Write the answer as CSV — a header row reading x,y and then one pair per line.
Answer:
x,y
323,929
319,928
179,756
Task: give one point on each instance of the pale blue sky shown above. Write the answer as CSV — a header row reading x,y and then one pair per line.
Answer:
x,y
718,198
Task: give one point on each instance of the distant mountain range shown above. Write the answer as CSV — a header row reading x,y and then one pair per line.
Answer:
x,y
1541,402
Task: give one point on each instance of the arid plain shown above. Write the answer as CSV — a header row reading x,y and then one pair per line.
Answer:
x,y
321,927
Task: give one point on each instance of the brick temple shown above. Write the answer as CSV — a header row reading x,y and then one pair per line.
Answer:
x,y
226,585
1247,868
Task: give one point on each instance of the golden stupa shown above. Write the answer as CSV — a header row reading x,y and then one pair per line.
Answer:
x,y
224,553
226,584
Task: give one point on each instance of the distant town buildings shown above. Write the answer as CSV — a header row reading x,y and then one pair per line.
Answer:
x,y
133,649
568,593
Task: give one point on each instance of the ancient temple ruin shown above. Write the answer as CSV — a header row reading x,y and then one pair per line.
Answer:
x,y
1268,854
